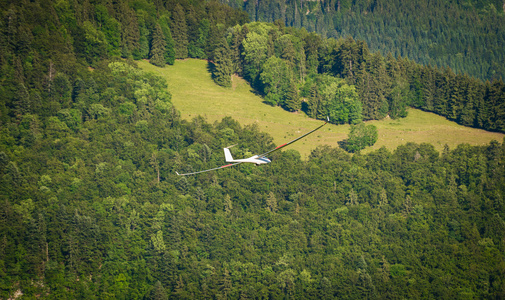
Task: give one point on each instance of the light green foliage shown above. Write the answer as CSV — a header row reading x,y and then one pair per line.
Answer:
x,y
255,54
341,101
56,127
97,111
71,117
157,240
142,125
271,202
95,42
124,71
24,209
275,78
143,93
163,106
228,204
111,29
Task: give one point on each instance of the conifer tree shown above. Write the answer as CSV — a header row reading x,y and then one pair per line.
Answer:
x,y
428,87
483,110
223,66
292,102
180,32
169,41
471,94
454,99
158,45
130,33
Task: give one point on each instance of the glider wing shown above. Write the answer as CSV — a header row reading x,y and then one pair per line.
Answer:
x,y
222,167
291,142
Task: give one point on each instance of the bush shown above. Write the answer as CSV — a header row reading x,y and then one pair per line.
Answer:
x,y
360,137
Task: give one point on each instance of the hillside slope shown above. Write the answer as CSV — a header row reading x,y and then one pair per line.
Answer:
x,y
194,93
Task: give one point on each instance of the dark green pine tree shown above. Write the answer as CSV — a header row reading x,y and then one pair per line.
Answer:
x,y
180,32
158,45
237,49
22,102
483,108
158,292
345,59
192,21
470,92
292,102
169,41
377,106
428,87
454,100
130,33
314,101
312,42
363,86
223,65
440,96
497,99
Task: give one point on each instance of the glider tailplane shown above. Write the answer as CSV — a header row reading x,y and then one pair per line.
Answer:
x,y
227,155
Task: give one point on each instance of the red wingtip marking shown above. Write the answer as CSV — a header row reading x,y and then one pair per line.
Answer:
x,y
226,166
280,146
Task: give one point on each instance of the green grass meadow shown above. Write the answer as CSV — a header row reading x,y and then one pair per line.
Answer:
x,y
195,93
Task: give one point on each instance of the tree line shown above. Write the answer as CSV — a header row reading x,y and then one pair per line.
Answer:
x,y
341,78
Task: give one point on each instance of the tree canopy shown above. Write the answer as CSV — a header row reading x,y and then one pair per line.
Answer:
x,y
91,206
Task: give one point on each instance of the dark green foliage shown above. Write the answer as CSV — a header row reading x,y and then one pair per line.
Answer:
x,y
468,36
158,45
94,205
91,207
179,31
223,67
292,101
169,42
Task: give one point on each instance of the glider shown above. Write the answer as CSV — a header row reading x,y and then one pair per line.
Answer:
x,y
256,159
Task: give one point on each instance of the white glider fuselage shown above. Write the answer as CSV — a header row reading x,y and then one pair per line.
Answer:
x,y
256,159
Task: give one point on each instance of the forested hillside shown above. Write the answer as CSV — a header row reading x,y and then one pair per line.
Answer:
x,y
466,35
91,206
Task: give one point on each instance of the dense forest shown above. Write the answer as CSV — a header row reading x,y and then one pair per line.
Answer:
x,y
466,35
91,206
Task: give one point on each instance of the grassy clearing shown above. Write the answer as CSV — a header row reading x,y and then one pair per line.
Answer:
x,y
194,93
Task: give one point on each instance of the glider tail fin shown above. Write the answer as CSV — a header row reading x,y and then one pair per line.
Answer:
x,y
227,155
